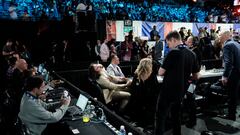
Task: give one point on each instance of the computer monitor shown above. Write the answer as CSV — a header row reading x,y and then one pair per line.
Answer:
x,y
82,102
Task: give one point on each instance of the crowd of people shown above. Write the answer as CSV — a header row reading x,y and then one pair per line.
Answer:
x,y
105,9
179,63
186,51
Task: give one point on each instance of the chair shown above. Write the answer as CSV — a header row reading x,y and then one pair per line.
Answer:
x,y
95,90
21,128
220,95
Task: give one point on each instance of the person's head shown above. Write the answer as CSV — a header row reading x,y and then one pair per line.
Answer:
x,y
212,30
144,43
182,28
225,36
126,38
9,42
189,41
94,70
115,59
154,27
35,85
144,69
173,39
192,41
21,64
99,42
130,32
136,39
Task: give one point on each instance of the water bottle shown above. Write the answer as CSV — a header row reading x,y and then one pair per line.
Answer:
x,y
89,109
122,130
87,112
204,68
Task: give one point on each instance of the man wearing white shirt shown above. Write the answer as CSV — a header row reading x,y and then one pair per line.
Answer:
x,y
113,68
104,51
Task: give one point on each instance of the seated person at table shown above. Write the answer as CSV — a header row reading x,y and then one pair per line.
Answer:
x,y
112,91
144,91
35,113
113,68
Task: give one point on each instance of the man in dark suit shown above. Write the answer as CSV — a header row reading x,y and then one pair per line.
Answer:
x,y
231,74
158,49
177,68
153,33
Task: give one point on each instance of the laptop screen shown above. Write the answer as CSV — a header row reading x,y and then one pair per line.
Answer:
x,y
82,102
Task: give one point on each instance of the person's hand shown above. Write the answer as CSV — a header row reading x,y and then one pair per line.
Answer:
x,y
123,79
129,82
66,101
224,81
42,97
12,52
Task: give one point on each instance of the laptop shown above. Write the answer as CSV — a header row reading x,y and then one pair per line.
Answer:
x,y
79,107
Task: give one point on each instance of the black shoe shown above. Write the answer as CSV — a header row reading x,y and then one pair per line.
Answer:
x,y
228,117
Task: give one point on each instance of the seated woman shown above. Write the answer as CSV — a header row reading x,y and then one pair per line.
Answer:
x,y
112,91
145,89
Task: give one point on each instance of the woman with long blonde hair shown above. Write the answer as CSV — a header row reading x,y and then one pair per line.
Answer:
x,y
144,91
144,69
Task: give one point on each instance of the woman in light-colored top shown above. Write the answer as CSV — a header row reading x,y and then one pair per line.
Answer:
x,y
112,90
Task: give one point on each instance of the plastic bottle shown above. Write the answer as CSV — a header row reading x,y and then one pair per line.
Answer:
x,y
204,68
122,130
90,109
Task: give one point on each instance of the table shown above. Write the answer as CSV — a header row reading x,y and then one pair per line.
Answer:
x,y
91,128
202,74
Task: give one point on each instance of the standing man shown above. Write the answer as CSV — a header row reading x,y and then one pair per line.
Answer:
x,y
104,51
177,68
153,33
158,49
35,113
231,74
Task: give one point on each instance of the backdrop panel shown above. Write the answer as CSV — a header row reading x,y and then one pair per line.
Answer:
x,y
147,28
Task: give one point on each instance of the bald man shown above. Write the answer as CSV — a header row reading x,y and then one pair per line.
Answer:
x,y
231,74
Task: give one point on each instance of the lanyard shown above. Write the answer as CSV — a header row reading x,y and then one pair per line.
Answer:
x,y
181,46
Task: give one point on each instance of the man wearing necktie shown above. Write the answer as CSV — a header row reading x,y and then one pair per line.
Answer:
x,y
113,68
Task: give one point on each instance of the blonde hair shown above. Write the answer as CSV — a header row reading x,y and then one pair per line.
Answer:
x,y
144,69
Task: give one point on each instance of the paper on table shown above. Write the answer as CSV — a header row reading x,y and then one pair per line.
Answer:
x,y
191,88
75,131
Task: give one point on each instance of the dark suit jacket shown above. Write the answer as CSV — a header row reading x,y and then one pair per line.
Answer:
x,y
231,57
158,50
